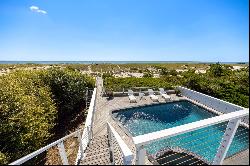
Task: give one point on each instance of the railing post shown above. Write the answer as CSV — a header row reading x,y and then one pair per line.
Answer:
x,y
226,141
86,97
62,153
127,160
140,155
89,133
80,142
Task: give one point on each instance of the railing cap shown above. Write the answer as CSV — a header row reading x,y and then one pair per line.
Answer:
x,y
124,148
150,137
226,102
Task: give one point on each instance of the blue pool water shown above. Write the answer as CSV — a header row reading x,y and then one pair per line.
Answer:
x,y
203,142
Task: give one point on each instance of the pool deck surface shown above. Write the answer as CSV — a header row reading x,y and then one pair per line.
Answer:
x,y
102,116
239,159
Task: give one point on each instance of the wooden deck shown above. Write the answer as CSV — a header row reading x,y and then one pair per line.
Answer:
x,y
239,159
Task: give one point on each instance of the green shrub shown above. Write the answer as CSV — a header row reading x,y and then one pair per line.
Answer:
x,y
219,81
147,75
32,103
68,88
105,75
3,159
27,113
218,70
117,84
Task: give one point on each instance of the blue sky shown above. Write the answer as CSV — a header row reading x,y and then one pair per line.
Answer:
x,y
125,30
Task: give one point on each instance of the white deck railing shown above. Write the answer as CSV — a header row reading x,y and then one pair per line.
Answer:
x,y
87,132
212,102
58,143
84,136
234,119
121,154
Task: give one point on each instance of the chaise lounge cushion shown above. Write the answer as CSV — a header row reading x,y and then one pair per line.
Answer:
x,y
153,97
132,98
166,97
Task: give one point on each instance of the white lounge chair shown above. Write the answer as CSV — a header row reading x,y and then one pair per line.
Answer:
x,y
131,96
152,95
164,94
141,95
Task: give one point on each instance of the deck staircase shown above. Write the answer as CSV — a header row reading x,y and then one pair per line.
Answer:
x,y
99,143
97,152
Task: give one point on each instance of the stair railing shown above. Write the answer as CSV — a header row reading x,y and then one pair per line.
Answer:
x,y
87,132
120,153
60,145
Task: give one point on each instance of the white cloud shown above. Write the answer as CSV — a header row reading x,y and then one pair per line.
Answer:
x,y
36,9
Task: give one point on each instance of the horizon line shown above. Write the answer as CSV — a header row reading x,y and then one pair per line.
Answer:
x,y
127,62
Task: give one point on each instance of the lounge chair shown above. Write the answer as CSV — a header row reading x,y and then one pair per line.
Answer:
x,y
152,95
164,94
131,96
141,95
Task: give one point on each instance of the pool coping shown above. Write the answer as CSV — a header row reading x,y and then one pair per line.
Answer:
x,y
213,110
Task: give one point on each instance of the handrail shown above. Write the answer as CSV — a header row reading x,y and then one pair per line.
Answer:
x,y
240,107
89,119
220,106
126,152
88,127
147,138
39,151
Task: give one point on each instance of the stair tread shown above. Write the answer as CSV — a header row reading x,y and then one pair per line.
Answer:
x,y
96,163
102,156
95,148
96,160
99,139
94,142
96,151
103,142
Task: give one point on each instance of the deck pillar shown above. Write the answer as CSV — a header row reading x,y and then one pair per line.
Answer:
x,y
226,141
62,153
140,155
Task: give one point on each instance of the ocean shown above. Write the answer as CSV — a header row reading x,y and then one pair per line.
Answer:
x,y
113,62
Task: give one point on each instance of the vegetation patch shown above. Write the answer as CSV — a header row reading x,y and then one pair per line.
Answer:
x,y
118,84
32,105
219,81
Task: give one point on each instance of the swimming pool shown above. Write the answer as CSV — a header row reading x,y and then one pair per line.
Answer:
x,y
147,119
